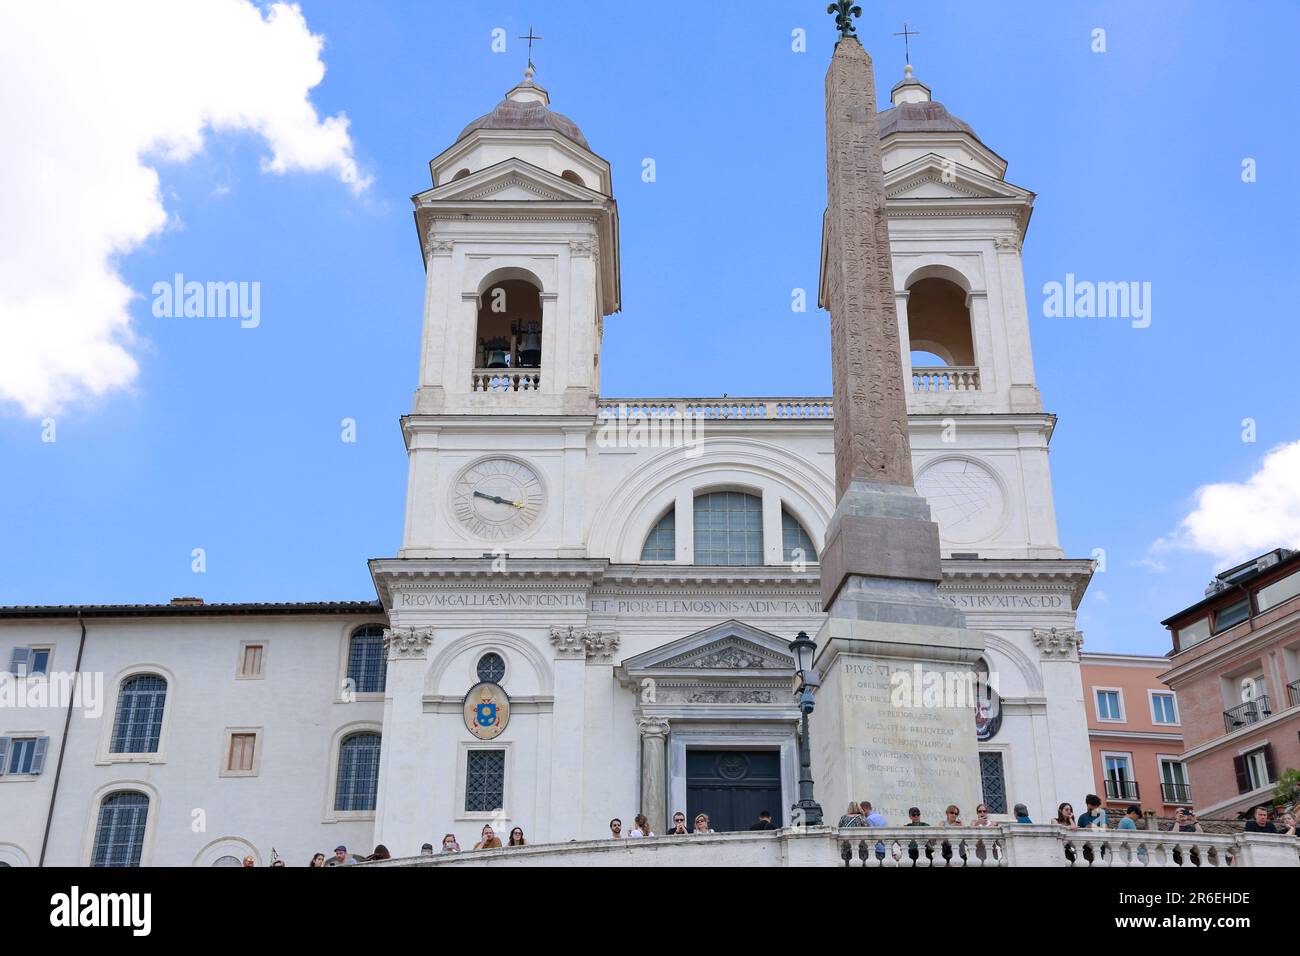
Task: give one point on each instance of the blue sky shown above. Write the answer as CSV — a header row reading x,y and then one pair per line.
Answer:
x,y
229,439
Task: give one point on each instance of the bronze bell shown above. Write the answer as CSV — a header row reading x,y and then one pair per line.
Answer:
x,y
496,354
530,346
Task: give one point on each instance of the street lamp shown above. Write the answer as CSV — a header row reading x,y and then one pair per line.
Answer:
x,y
803,648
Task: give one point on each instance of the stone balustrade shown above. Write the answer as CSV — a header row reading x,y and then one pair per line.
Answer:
x,y
505,380
946,378
729,409
1000,845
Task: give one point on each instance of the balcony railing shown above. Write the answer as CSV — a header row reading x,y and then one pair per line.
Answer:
x,y
502,380
1176,792
946,378
1002,845
728,409
1251,712
1293,689
1121,789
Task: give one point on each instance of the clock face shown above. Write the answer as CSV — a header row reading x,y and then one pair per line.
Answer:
x,y
497,498
964,497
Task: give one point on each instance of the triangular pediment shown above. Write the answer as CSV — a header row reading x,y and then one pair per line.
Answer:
x,y
935,178
511,180
729,646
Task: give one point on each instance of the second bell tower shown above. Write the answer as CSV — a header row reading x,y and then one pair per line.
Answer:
x,y
520,238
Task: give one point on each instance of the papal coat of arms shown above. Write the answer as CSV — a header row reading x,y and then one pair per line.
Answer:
x,y
487,710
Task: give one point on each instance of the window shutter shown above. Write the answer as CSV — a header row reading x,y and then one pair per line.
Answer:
x,y
1243,775
19,661
38,758
1268,762
4,754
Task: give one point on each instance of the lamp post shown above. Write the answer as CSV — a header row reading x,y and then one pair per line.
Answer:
x,y
807,810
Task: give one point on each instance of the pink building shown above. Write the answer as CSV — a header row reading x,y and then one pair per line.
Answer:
x,y
1236,671
1136,734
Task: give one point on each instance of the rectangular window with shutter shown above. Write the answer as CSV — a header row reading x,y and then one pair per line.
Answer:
x,y
241,753
23,755
30,661
1254,770
250,659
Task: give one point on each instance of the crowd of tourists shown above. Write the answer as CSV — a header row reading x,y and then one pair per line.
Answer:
x,y
860,813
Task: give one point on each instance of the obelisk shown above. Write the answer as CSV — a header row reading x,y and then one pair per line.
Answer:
x,y
887,727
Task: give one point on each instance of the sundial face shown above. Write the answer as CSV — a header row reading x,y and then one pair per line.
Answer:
x,y
497,499
965,499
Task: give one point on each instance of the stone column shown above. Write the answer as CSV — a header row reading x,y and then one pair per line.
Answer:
x,y
403,808
654,771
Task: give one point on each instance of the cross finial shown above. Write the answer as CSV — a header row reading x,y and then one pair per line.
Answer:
x,y
530,38
906,35
844,11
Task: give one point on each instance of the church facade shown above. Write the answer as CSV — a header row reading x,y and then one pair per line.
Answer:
x,y
591,609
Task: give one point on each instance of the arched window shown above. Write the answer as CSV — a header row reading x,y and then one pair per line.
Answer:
x,y
138,723
509,326
367,668
460,174
491,668
661,542
572,177
119,834
938,322
728,528
358,778
795,538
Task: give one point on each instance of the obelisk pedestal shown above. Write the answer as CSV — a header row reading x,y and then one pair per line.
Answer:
x,y
895,718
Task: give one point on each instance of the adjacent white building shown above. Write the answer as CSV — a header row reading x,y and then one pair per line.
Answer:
x,y
616,580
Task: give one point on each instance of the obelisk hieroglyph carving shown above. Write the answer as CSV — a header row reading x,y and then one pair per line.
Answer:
x,y
881,528
889,631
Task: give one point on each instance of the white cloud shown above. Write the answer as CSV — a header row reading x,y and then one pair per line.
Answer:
x,y
1237,520
95,95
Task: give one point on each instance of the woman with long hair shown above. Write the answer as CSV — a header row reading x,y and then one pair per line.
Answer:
x,y
517,837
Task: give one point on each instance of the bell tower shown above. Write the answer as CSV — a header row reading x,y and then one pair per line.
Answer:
x,y
520,241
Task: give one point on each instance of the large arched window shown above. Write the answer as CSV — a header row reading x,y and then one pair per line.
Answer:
x,y
119,832
795,543
661,542
367,668
358,778
509,326
728,528
137,726
938,321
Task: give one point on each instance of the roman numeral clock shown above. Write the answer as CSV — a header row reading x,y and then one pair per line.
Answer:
x,y
497,499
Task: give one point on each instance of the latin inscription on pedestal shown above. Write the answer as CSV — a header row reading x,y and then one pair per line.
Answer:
x,y
903,751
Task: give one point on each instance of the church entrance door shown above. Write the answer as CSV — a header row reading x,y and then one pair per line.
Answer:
x,y
732,786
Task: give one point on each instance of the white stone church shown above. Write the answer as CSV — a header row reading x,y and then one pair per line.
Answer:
x,y
590,612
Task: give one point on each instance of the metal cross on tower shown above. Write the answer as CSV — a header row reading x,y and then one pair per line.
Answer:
x,y
906,35
530,38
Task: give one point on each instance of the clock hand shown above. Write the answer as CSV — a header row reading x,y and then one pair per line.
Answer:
x,y
493,498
